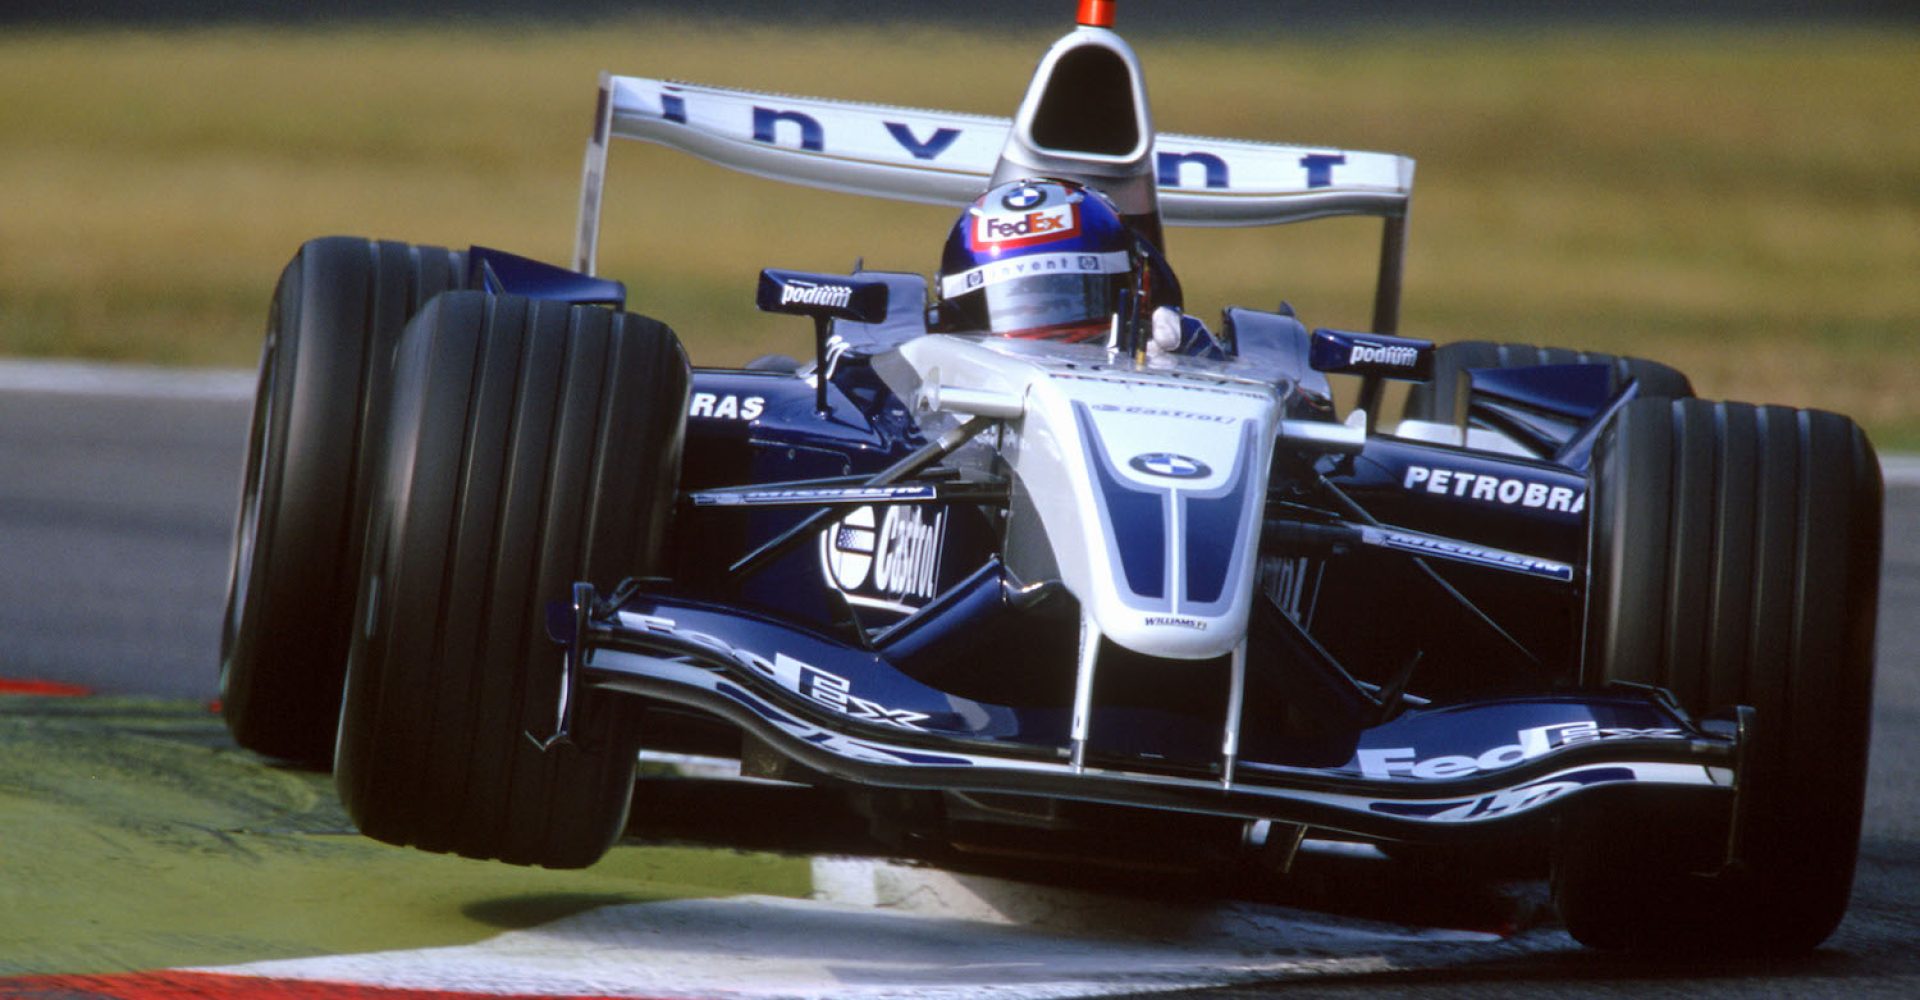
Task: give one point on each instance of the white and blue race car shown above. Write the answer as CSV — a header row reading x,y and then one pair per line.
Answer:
x,y
1028,543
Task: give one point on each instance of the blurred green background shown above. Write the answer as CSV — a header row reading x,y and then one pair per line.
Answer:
x,y
1742,201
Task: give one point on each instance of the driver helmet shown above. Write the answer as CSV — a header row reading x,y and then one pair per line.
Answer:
x,y
1039,259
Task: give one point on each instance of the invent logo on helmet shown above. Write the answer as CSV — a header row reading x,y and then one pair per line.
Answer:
x,y
894,564
1012,229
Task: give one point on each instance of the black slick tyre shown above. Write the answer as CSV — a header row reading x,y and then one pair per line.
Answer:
x,y
1435,400
531,445
337,312
1735,561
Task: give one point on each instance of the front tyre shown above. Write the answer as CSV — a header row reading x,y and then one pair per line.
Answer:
x,y
1735,560
531,444
337,312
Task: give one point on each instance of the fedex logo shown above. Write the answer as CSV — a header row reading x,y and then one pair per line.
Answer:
x,y
1388,763
1038,226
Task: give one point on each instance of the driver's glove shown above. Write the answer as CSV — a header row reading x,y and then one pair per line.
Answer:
x,y
1167,335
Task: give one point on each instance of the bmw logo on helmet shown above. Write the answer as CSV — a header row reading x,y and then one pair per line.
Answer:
x,y
1023,197
1169,465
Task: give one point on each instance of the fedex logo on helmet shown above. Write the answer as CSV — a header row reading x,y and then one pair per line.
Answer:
x,y
1018,229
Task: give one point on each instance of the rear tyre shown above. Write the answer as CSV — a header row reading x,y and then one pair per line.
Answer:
x,y
337,312
531,445
1435,400
1735,560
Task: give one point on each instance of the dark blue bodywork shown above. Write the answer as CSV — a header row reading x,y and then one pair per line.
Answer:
x,y
887,643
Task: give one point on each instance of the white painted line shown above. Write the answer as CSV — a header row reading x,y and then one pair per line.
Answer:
x,y
87,378
1900,470
932,892
764,947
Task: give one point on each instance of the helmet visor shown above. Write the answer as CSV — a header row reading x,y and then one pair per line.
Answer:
x,y
1065,306
1063,296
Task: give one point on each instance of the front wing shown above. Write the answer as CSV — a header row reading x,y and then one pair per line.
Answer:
x,y
1426,774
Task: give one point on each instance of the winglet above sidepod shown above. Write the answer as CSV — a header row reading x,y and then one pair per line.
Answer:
x,y
822,296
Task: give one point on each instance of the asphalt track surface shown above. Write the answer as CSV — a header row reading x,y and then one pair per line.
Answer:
x,y
117,487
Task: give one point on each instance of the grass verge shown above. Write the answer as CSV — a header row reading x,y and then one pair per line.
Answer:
x,y
136,837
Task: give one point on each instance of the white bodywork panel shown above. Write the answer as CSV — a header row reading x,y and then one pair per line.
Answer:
x,y
1149,480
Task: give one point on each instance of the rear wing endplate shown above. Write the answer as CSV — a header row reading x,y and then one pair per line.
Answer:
x,y
947,158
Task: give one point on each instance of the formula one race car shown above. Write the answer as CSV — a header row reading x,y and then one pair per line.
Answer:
x,y
1032,544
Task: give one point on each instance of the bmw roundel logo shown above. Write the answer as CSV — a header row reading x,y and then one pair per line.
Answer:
x,y
1170,465
1023,197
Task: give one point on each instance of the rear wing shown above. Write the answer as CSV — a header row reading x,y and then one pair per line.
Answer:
x,y
948,158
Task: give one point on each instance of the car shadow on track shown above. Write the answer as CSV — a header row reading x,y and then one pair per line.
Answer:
x,y
1152,856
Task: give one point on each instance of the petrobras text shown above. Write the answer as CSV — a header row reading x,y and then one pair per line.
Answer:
x,y
1502,490
716,406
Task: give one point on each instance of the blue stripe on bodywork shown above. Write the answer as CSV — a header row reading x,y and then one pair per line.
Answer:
x,y
1211,522
1136,517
